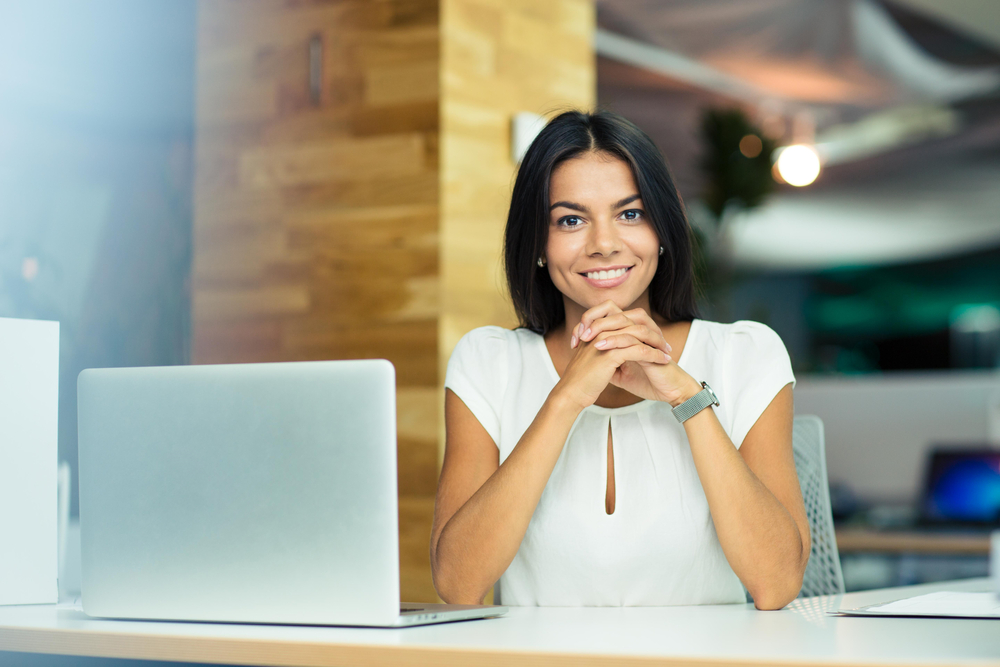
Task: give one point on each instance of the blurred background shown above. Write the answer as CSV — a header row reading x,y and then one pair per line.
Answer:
x,y
218,181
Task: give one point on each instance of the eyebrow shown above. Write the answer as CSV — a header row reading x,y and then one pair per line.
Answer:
x,y
580,207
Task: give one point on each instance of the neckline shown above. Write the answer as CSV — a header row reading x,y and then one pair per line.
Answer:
x,y
551,368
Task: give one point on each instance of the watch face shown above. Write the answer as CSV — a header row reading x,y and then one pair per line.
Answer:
x,y
711,392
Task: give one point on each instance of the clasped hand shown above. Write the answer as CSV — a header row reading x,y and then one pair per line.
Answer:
x,y
625,349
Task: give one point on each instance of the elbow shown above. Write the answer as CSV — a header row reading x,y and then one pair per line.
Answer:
x,y
452,591
778,590
451,586
772,598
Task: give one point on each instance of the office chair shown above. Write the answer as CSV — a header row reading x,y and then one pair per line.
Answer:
x,y
823,575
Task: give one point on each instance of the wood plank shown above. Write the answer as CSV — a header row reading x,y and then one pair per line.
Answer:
x,y
345,160
865,540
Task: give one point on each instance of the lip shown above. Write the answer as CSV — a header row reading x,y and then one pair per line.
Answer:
x,y
609,282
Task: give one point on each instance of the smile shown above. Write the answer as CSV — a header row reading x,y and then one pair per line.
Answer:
x,y
605,278
604,275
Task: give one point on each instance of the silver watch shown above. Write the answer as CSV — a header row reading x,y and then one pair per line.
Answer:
x,y
696,404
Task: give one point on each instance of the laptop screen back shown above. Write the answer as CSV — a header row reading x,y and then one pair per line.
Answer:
x,y
262,493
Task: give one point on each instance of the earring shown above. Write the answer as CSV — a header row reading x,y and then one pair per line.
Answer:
x,y
661,250
541,260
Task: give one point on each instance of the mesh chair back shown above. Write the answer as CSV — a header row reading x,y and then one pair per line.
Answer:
x,y
823,575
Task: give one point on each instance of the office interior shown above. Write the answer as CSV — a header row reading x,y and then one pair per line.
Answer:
x,y
220,181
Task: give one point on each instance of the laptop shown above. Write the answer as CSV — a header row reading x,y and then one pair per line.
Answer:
x,y
961,489
255,493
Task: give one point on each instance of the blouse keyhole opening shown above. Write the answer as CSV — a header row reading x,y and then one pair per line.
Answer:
x,y
609,497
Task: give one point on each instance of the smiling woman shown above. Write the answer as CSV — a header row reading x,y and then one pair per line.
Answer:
x,y
584,462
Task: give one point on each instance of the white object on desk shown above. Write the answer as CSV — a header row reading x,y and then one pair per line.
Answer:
x,y
29,412
939,605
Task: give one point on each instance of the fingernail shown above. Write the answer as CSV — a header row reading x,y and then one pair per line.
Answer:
x,y
669,348
586,334
572,342
579,329
666,357
600,343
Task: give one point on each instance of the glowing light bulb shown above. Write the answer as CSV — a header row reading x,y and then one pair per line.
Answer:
x,y
751,146
798,165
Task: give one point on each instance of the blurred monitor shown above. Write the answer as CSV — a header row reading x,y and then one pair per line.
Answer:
x,y
879,427
962,487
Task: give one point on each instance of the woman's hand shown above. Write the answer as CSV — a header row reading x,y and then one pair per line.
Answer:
x,y
595,366
607,328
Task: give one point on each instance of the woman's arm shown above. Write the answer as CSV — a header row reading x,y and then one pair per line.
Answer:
x,y
753,492
754,497
483,507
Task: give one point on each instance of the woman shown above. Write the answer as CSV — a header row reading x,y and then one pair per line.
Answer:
x,y
569,478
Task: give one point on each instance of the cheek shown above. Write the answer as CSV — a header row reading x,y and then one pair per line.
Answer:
x,y
644,243
562,249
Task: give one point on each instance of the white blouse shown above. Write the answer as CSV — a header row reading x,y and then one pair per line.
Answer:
x,y
659,547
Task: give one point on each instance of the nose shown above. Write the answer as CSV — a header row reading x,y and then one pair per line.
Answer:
x,y
603,240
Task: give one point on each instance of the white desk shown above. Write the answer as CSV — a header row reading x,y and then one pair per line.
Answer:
x,y
802,634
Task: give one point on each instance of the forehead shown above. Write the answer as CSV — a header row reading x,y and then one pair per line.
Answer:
x,y
592,177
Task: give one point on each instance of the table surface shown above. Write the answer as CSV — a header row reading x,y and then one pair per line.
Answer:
x,y
801,634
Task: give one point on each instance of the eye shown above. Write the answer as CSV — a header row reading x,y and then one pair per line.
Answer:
x,y
633,214
569,221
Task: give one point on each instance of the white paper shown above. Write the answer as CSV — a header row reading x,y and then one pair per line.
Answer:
x,y
977,605
29,409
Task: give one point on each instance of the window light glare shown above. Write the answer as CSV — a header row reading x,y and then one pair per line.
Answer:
x,y
798,165
29,268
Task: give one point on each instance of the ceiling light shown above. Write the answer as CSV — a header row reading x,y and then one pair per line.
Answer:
x,y
798,165
751,146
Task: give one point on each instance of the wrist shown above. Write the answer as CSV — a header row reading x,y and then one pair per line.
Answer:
x,y
562,401
687,391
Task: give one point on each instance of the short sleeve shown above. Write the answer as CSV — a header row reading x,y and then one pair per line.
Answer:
x,y
756,368
477,373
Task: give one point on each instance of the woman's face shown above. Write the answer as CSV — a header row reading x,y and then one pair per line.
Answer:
x,y
601,244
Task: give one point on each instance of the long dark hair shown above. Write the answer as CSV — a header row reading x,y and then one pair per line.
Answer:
x,y
538,302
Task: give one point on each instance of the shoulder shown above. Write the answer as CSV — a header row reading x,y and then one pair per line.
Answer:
x,y
744,335
486,341
489,348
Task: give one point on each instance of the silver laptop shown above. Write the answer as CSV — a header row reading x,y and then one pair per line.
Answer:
x,y
257,493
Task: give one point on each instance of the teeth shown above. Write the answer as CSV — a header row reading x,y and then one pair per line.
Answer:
x,y
605,275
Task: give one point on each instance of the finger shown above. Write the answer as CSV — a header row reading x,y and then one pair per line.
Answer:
x,y
601,310
641,317
616,341
611,322
640,332
641,354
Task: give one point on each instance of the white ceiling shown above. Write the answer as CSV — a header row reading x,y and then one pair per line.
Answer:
x,y
975,17
844,61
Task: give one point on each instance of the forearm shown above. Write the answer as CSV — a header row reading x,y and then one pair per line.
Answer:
x,y
761,540
482,537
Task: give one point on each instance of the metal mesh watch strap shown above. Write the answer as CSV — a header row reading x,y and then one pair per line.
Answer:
x,y
695,404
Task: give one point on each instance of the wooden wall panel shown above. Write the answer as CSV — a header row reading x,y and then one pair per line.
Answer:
x,y
498,58
316,225
369,225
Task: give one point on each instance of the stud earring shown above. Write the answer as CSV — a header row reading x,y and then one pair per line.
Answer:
x,y
661,250
541,260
